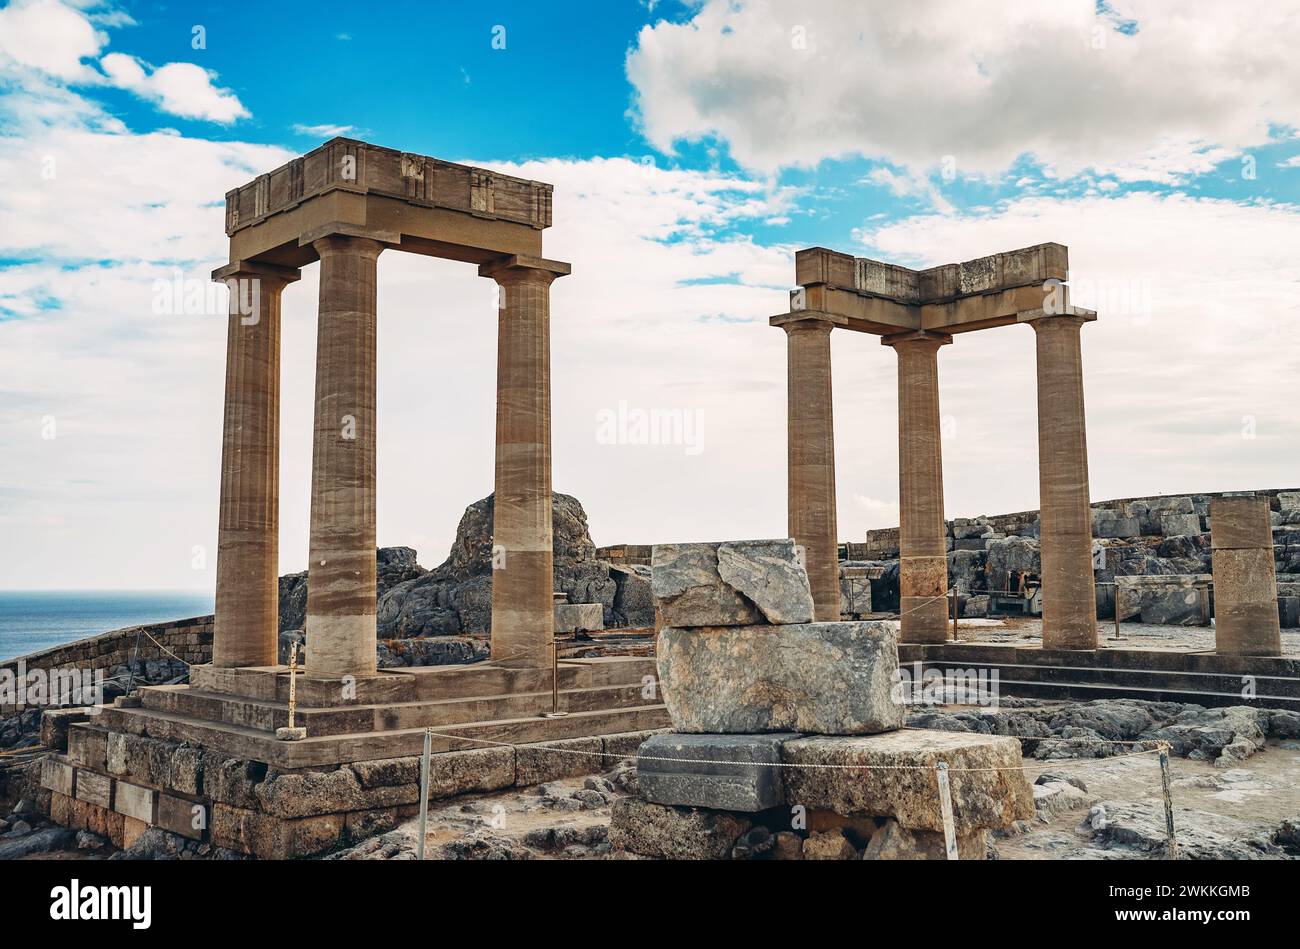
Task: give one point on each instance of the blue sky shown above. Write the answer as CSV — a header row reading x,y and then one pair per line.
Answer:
x,y
694,147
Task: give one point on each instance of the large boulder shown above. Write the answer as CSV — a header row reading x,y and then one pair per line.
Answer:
x,y
822,678
737,583
633,603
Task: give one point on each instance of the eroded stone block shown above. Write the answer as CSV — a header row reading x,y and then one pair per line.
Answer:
x,y
673,833
683,770
821,678
897,777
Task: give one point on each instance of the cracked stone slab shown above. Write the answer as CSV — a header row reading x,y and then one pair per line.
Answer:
x,y
736,583
701,773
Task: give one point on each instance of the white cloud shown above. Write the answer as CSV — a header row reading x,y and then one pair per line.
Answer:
x,y
983,81
182,89
323,131
49,37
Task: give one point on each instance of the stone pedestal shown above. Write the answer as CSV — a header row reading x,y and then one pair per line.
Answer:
x,y
1069,591
811,454
247,594
341,568
1245,580
923,560
523,624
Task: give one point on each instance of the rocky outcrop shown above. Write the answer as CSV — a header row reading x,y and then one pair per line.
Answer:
x,y
456,596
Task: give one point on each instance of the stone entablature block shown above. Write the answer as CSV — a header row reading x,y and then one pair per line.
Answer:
x,y
343,164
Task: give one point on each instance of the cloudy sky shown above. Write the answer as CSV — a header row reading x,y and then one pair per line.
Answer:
x,y
693,148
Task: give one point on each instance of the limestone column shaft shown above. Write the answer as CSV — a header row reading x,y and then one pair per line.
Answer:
x,y
523,619
922,537
246,626
811,454
1069,591
1246,621
341,570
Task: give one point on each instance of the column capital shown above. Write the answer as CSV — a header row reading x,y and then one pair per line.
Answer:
x,y
1069,316
256,268
523,266
347,244
804,319
916,340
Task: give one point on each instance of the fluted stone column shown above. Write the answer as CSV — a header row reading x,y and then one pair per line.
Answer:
x,y
1246,621
523,620
811,454
922,537
341,571
245,629
1069,591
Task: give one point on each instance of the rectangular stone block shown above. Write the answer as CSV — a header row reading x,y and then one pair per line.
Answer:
x,y
134,801
723,772
1112,524
94,788
182,816
820,678
741,583
57,776
1288,500
624,745
1178,525
552,760
894,776
478,770
132,830
87,746
572,617
55,723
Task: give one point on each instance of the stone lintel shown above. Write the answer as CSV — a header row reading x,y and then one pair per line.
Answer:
x,y
492,268
1066,312
255,268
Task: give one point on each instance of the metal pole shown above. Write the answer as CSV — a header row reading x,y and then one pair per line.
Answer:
x,y
555,683
953,591
1117,599
1169,802
945,810
293,682
424,791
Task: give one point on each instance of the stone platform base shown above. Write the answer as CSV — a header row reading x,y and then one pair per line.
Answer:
x,y
820,797
202,761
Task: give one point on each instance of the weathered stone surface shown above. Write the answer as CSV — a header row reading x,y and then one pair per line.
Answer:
x,y
572,617
1140,826
549,761
310,793
903,783
1170,600
633,604
181,816
56,776
54,725
693,778
673,833
479,769
1176,525
822,678
1150,511
740,583
828,845
134,801
1112,524
892,841
94,788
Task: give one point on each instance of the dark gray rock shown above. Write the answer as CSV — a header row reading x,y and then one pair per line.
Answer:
x,y
633,605
41,841
694,778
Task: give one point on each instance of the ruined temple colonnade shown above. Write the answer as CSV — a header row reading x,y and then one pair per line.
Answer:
x,y
343,205
916,313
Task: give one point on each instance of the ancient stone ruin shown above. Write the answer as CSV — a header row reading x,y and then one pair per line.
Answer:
x,y
788,734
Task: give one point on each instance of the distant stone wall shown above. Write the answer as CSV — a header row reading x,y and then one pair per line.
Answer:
x,y
112,653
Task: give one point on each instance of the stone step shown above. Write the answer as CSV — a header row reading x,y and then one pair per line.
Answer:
x,y
267,716
1086,683
1108,657
323,751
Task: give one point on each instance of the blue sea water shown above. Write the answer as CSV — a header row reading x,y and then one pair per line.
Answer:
x,y
34,620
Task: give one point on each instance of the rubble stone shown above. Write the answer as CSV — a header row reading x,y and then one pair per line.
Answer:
x,y
741,583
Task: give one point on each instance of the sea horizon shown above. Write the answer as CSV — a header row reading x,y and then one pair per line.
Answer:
x,y
35,620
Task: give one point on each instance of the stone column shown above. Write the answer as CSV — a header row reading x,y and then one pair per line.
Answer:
x,y
246,627
810,434
341,569
1069,591
523,620
1245,580
922,537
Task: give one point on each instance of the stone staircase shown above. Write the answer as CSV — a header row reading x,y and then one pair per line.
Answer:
x,y
1152,675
